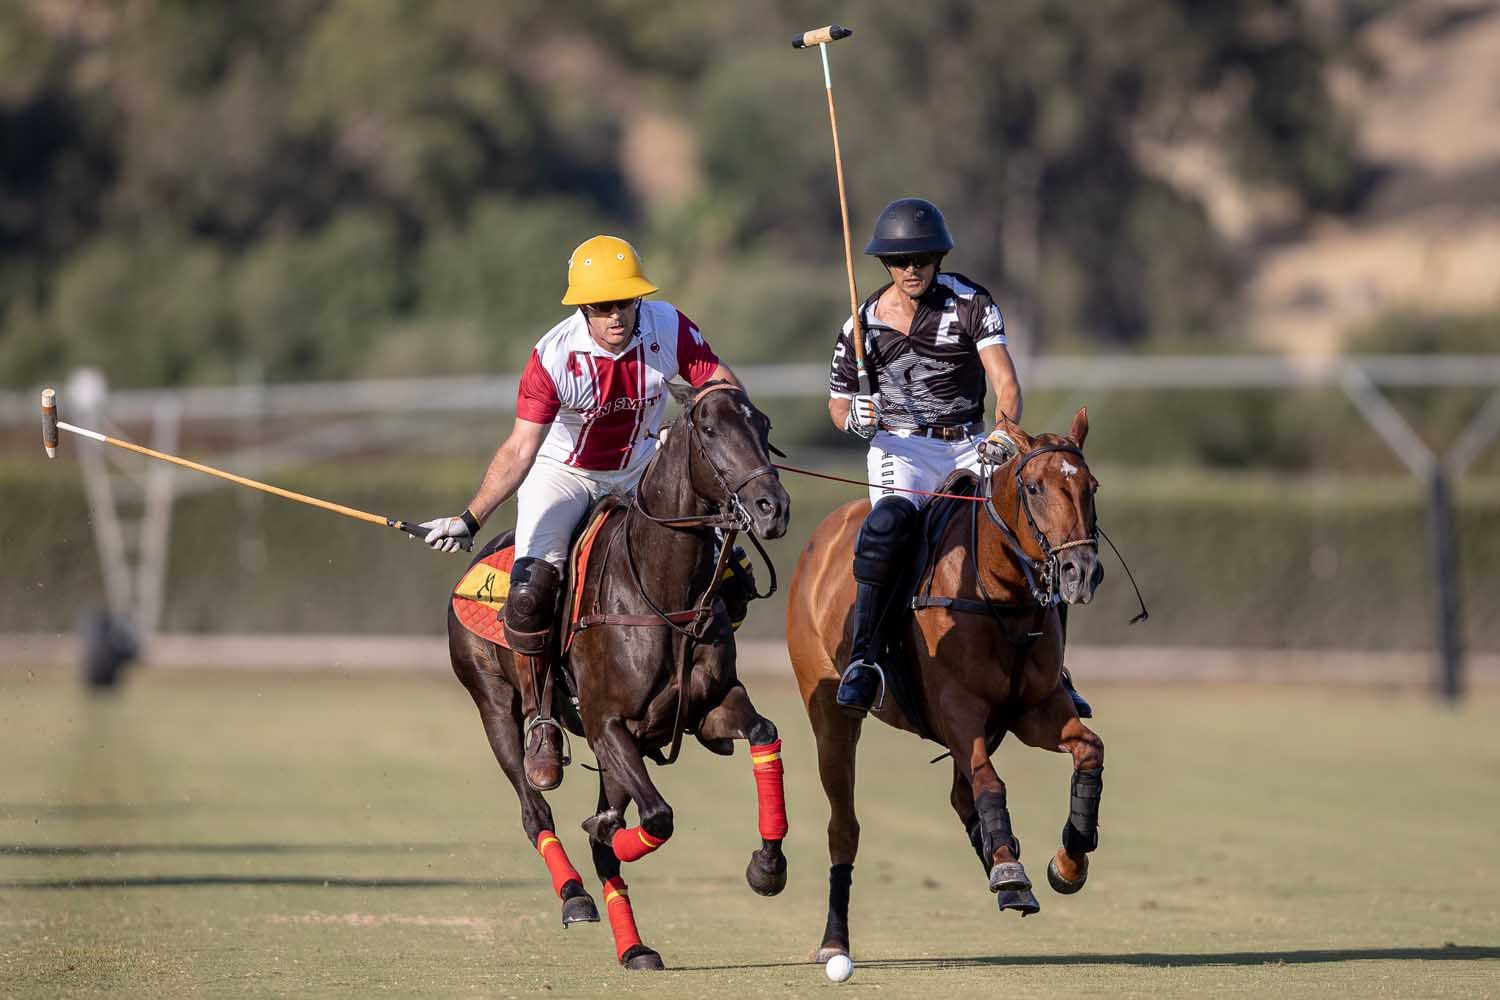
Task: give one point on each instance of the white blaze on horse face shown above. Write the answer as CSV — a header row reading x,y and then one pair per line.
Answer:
x,y
1069,469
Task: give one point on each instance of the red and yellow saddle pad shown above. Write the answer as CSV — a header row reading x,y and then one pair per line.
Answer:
x,y
479,598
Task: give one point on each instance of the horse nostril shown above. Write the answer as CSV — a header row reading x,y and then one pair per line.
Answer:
x,y
1070,570
766,506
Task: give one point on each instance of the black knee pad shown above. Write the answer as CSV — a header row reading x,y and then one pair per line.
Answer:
x,y
1081,832
531,605
877,552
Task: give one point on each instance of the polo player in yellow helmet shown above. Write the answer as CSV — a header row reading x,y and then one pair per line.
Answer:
x,y
591,401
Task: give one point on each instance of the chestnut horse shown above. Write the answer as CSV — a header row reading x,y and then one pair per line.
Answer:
x,y
985,651
653,657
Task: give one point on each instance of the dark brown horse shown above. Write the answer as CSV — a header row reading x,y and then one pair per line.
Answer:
x,y
985,658
655,657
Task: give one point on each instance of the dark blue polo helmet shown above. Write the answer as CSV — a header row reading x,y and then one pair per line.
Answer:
x,y
910,225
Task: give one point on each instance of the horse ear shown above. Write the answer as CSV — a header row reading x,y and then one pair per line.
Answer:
x,y
1080,428
1014,430
681,392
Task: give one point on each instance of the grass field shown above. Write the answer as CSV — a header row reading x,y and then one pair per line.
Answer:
x,y
346,834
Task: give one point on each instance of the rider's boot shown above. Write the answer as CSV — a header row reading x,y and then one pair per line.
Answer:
x,y
530,609
1082,707
737,586
877,562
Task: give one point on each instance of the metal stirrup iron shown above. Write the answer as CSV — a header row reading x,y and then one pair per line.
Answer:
x,y
879,672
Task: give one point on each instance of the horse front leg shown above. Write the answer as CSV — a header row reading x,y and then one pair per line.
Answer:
x,y
1054,725
838,739
735,718
997,846
623,778
500,712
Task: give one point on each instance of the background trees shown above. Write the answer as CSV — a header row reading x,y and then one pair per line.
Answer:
x,y
330,188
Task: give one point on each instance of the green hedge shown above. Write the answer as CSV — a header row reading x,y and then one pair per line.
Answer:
x,y
1252,560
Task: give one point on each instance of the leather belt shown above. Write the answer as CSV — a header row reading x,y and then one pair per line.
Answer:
x,y
960,432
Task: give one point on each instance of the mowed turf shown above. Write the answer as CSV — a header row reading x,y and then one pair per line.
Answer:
x,y
347,834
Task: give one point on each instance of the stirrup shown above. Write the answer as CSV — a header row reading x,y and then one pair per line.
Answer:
x,y
537,722
879,672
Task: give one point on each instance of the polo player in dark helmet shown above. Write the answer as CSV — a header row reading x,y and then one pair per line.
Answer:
x,y
932,340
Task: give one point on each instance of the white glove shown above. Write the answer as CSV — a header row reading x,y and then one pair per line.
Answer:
x,y
999,447
449,534
864,415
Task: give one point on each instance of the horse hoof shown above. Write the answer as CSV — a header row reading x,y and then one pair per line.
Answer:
x,y
1022,900
602,826
1009,876
1062,885
642,959
766,878
823,954
579,910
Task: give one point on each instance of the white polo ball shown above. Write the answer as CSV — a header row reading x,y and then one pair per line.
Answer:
x,y
839,968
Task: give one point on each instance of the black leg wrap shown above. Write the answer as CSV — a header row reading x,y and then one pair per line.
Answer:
x,y
975,830
839,879
994,824
1081,833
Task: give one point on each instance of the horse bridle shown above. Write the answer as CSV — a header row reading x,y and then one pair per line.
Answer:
x,y
736,518
1047,567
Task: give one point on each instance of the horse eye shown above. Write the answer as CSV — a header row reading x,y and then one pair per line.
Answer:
x,y
1033,488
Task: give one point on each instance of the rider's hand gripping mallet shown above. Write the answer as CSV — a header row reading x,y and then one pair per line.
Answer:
x,y
51,425
821,37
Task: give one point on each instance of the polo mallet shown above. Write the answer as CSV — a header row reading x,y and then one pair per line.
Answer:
x,y
51,425
821,37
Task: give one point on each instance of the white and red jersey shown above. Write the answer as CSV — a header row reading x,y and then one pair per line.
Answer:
x,y
602,406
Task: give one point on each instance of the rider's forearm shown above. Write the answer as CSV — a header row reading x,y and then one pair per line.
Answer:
x,y
1008,402
838,412
501,480
1001,373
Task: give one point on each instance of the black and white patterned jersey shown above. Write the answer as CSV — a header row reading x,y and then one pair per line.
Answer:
x,y
931,377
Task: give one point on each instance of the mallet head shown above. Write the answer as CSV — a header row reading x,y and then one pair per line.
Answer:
x,y
49,421
820,36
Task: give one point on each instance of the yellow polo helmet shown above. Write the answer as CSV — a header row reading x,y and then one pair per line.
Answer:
x,y
605,269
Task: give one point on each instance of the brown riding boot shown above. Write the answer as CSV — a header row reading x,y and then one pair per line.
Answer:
x,y
543,760
529,611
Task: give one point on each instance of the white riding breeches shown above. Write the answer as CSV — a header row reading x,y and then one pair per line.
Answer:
x,y
898,461
552,500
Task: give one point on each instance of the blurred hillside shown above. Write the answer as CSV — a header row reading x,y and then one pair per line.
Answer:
x,y
302,189
1425,236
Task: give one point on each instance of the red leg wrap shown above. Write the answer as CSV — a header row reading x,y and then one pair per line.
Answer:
x,y
558,865
621,916
633,844
766,760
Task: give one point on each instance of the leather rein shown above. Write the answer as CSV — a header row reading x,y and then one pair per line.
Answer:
x,y
730,519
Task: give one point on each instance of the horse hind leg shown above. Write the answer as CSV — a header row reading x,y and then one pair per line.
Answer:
x,y
499,711
631,952
735,718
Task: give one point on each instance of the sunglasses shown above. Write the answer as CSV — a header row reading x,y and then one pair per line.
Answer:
x,y
901,261
607,308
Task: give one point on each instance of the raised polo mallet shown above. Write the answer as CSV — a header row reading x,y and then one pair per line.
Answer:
x,y
51,425
821,37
